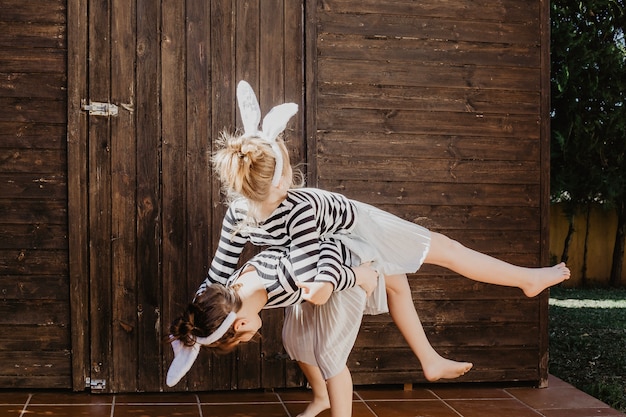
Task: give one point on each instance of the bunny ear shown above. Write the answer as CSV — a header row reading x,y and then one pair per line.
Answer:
x,y
276,120
184,357
249,108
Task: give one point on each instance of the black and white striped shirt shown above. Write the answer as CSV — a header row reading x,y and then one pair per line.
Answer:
x,y
305,218
275,268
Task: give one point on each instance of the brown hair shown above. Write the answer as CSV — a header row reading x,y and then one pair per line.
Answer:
x,y
245,166
205,314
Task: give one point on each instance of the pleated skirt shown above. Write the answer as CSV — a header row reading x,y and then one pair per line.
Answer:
x,y
323,335
392,245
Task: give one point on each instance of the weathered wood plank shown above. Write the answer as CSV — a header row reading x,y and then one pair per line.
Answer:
x,y
402,192
28,382
50,212
41,86
35,364
444,218
33,236
484,358
476,311
248,39
32,135
32,186
440,51
99,186
33,60
450,336
32,11
34,312
33,262
408,26
467,171
464,148
32,35
427,98
483,10
27,110
16,160
222,370
429,75
34,287
150,328
77,200
433,123
126,310
431,284
38,337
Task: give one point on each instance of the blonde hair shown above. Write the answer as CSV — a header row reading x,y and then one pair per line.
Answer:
x,y
245,166
205,314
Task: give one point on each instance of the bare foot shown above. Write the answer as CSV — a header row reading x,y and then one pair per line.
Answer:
x,y
315,407
546,277
443,368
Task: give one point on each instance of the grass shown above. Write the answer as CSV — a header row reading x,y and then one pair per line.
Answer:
x,y
588,341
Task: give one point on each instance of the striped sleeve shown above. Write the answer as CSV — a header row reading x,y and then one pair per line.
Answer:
x,y
304,248
229,249
332,266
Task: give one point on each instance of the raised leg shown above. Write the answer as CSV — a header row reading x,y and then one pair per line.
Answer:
x,y
484,268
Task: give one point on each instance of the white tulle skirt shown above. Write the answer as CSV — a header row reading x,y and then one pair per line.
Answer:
x,y
323,335
393,245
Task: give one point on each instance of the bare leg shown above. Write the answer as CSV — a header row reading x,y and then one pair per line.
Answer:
x,y
403,312
340,393
484,268
320,401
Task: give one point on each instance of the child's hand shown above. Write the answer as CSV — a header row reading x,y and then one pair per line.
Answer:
x,y
316,292
366,277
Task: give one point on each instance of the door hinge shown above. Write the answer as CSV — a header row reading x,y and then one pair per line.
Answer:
x,y
95,384
96,108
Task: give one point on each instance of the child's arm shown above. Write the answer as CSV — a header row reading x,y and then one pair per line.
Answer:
x,y
335,275
229,249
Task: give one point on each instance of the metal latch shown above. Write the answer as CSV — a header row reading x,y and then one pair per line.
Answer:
x,y
96,108
95,384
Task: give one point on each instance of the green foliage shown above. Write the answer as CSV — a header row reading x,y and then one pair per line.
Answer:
x,y
588,93
588,101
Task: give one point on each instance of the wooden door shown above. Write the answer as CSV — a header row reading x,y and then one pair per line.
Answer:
x,y
144,207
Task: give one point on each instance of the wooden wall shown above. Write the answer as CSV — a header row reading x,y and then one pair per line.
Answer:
x,y
34,304
434,111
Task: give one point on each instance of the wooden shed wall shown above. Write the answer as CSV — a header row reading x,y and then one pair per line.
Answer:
x,y
434,111
34,306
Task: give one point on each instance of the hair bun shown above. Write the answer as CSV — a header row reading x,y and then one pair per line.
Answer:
x,y
181,329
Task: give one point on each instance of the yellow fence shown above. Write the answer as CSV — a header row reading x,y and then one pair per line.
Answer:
x,y
601,239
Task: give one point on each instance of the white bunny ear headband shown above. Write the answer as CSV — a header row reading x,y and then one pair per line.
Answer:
x,y
273,123
185,356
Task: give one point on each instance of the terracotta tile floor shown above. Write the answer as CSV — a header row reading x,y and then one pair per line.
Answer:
x,y
559,400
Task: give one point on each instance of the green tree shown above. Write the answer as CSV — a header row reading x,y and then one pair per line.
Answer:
x,y
589,111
